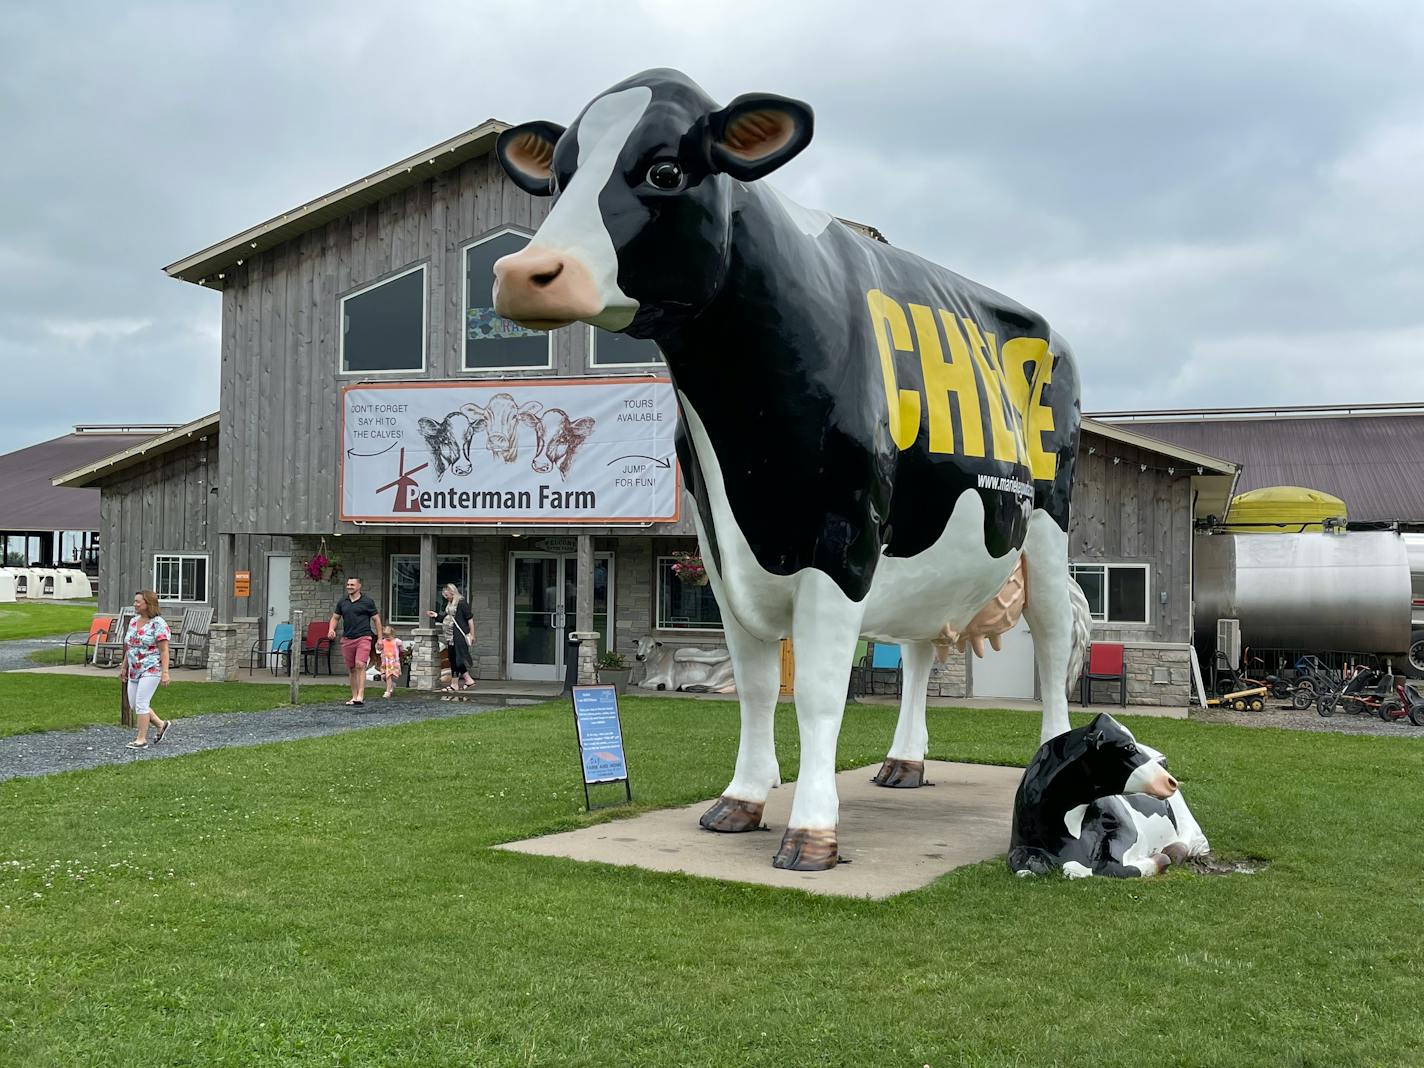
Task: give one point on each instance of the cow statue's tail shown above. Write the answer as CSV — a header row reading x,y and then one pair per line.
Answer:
x,y
1082,620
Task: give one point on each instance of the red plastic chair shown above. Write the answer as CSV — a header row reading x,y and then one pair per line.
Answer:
x,y
1105,664
315,644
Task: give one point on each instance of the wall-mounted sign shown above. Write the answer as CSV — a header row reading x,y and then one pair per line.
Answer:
x,y
600,738
554,545
242,583
574,450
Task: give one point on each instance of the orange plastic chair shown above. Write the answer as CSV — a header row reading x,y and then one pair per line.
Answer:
x,y
98,632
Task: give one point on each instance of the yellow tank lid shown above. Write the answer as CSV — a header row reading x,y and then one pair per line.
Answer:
x,y
1284,510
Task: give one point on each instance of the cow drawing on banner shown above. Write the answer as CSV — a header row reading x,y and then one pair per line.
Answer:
x,y
557,438
874,445
449,443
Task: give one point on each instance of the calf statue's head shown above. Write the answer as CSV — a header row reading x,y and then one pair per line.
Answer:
x,y
1100,759
638,238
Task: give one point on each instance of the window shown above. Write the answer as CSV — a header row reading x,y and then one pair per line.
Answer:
x,y
404,605
608,349
1117,593
682,606
383,326
493,342
181,577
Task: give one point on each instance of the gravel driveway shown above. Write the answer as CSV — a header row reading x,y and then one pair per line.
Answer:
x,y
15,655
1308,720
44,753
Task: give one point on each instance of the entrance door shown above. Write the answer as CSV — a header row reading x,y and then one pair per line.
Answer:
x,y
279,591
543,590
1009,672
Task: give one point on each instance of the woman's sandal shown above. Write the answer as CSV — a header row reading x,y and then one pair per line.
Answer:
x,y
162,731
136,745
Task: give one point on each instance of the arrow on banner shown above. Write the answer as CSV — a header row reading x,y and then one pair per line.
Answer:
x,y
353,452
664,464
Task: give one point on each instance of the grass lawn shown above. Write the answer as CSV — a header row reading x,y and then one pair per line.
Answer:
x,y
40,619
332,902
65,702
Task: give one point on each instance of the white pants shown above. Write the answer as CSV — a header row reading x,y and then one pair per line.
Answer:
x,y
141,692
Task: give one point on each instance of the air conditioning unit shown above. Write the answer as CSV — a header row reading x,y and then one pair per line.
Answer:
x,y
1228,640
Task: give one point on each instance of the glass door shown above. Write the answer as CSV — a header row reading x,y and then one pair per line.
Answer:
x,y
542,610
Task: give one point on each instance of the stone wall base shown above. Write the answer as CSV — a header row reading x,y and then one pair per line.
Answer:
x,y
229,645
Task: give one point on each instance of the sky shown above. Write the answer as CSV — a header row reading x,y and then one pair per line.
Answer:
x,y
1217,204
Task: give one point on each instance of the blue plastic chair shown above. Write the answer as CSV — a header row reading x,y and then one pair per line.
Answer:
x,y
278,646
886,657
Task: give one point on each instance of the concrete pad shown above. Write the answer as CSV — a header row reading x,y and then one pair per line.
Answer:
x,y
896,840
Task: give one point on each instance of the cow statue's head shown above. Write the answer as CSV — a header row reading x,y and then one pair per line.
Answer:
x,y
638,238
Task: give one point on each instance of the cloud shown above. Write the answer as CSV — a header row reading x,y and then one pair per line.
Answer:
x,y
87,331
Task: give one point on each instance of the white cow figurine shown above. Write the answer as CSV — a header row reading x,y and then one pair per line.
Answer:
x,y
678,667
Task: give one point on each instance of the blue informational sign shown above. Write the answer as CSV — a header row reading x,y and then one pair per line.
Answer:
x,y
600,734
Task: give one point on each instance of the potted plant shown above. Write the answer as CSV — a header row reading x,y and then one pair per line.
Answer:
x,y
689,569
613,670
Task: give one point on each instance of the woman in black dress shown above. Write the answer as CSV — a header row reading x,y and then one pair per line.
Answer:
x,y
458,626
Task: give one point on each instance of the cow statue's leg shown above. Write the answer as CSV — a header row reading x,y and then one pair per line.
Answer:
x,y
1050,614
825,627
904,766
757,666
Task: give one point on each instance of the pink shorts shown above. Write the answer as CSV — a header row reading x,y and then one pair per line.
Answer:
x,y
356,651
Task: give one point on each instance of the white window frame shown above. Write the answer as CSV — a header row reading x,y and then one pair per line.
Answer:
x,y
207,576
465,305
1105,566
593,356
391,583
424,325
658,601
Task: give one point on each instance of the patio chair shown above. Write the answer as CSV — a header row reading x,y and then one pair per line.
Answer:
x,y
859,671
885,656
1105,664
193,629
272,650
87,639
315,644
112,647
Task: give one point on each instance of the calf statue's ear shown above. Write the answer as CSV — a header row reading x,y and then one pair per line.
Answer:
x,y
527,154
757,133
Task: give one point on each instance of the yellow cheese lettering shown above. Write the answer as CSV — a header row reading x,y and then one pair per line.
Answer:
x,y
1027,393
1005,440
904,404
943,377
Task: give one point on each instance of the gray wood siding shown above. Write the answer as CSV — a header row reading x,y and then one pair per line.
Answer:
x,y
1122,514
281,338
164,506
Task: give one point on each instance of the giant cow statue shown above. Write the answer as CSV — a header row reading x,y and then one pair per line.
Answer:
x,y
874,445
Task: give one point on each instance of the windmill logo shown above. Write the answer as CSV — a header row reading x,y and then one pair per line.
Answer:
x,y
407,489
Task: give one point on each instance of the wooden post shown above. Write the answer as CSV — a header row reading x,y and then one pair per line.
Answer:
x,y
227,545
294,665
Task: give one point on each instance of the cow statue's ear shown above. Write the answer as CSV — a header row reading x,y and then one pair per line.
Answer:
x,y
526,152
756,133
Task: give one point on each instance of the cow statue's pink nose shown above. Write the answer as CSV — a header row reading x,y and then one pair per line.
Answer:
x,y
544,289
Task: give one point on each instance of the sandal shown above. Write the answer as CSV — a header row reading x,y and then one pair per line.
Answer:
x,y
163,730
136,745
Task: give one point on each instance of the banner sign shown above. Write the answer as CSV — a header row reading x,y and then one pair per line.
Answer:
x,y
572,450
600,734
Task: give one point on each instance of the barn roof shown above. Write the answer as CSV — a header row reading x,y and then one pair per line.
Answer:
x,y
134,453
1370,456
29,501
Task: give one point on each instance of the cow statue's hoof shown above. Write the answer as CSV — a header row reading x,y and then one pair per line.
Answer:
x,y
803,850
900,774
730,815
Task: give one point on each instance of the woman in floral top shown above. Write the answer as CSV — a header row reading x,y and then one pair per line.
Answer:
x,y
145,664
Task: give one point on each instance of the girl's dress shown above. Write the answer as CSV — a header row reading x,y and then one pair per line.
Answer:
x,y
391,657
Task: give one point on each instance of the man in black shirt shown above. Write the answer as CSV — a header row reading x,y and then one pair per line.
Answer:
x,y
360,623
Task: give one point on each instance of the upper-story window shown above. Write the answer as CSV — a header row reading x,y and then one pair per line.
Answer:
x,y
607,349
492,342
383,326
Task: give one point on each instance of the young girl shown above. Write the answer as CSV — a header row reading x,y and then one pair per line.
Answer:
x,y
390,648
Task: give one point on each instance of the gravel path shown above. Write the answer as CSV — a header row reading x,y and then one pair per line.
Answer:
x,y
15,655
28,755
1308,720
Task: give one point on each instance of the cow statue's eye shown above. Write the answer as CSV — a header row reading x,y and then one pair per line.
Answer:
x,y
666,176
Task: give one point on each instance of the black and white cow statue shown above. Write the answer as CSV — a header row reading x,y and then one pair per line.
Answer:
x,y
874,445
1095,801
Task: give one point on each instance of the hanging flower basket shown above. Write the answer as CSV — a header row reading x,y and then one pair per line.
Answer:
x,y
321,568
688,568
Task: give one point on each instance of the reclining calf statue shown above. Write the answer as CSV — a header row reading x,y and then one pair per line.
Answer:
x,y
874,446
677,667
1095,801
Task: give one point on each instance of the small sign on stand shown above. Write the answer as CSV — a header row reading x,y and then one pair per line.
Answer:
x,y
600,738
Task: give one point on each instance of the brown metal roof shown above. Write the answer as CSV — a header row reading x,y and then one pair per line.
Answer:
x,y
28,501
1374,463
